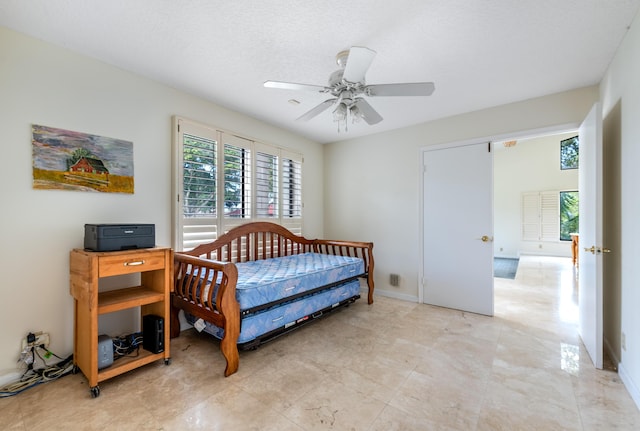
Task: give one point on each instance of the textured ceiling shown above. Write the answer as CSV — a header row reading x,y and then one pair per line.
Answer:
x,y
479,53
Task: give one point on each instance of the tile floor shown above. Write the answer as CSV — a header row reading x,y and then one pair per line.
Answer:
x,y
391,366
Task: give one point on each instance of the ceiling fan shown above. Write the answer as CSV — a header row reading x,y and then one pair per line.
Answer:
x,y
347,86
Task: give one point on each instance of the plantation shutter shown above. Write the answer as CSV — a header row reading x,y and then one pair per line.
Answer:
x,y
196,202
540,216
222,180
237,180
267,182
549,216
291,173
530,216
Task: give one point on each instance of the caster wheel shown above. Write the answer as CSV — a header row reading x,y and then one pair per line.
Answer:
x,y
167,361
74,370
95,392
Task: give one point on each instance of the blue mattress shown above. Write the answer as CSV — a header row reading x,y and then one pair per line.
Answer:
x,y
262,283
276,293
289,314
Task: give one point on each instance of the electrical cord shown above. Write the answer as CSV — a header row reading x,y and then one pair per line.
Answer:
x,y
126,345
35,376
123,346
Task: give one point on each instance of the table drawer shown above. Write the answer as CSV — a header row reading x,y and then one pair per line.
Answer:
x,y
123,264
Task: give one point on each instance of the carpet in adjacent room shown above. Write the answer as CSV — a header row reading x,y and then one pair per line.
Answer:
x,y
505,267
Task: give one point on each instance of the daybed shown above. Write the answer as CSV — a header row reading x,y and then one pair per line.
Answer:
x,y
259,280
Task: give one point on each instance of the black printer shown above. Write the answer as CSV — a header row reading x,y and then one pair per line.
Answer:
x,y
112,237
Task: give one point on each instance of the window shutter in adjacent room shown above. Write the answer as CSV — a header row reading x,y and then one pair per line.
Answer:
x,y
540,216
530,217
549,216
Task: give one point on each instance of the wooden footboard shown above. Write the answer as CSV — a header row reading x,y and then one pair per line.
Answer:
x,y
363,250
193,295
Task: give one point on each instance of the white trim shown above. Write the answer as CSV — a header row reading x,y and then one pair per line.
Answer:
x,y
390,294
629,384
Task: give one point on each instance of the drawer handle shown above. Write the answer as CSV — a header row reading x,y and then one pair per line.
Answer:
x,y
135,263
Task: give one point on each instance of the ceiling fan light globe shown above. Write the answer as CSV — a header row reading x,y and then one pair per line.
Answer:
x,y
340,113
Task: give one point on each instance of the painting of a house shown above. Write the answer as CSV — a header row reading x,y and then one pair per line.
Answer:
x,y
90,170
67,160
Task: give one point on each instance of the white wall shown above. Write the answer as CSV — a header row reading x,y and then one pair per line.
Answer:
x,y
620,95
372,183
48,85
532,165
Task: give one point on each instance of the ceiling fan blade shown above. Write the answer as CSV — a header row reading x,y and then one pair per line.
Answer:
x,y
294,86
367,112
316,110
407,89
358,63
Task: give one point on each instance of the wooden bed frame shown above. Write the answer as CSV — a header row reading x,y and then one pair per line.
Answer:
x,y
251,241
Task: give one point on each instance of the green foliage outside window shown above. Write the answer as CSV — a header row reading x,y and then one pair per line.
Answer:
x,y
199,177
569,151
569,217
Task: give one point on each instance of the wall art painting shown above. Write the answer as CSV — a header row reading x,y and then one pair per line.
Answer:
x,y
67,160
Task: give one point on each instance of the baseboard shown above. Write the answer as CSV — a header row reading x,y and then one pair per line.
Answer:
x,y
9,377
612,355
629,384
389,294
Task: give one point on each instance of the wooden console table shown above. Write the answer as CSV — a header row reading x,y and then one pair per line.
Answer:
x,y
152,296
574,248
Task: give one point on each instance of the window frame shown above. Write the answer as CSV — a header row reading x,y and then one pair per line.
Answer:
x,y
188,232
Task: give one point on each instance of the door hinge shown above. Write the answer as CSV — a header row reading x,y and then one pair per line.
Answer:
x,y
489,146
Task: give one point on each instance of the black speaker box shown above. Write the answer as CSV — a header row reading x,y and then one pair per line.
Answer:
x,y
153,333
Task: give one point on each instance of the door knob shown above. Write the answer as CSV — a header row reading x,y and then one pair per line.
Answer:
x,y
593,249
485,238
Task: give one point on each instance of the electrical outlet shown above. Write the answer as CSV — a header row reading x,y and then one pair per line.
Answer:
x,y
35,339
623,340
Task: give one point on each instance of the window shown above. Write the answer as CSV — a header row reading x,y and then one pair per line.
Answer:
x,y
199,176
549,215
569,217
223,180
569,151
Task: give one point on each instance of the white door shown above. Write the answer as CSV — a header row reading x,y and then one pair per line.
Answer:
x,y
591,247
458,228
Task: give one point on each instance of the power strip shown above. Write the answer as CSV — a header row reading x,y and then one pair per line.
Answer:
x,y
35,339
